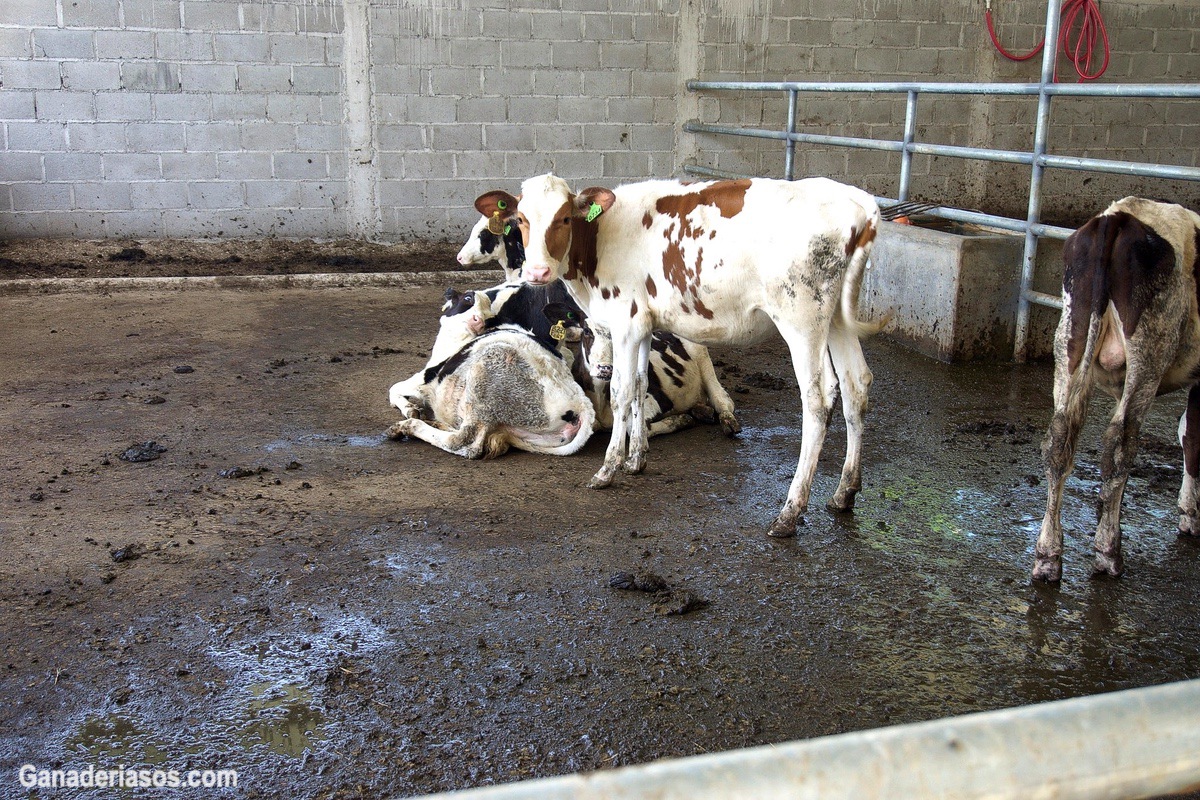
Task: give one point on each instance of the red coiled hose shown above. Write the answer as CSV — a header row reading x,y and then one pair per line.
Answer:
x,y
1079,46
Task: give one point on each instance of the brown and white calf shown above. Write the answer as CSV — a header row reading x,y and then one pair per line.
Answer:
x,y
715,262
1129,325
681,376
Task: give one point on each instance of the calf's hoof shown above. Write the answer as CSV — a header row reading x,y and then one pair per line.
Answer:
x,y
1189,525
1048,569
634,464
781,531
1110,565
785,524
602,479
842,501
729,424
398,431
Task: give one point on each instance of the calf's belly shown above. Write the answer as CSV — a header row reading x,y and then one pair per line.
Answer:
x,y
741,327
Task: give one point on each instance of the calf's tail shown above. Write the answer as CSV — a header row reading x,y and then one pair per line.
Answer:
x,y
538,442
858,250
1087,255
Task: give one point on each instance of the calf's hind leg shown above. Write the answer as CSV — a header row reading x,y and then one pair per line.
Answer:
x,y
1071,394
817,386
1189,492
854,378
720,399
469,441
1120,446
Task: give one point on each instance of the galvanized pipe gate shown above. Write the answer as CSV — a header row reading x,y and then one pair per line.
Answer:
x,y
1038,159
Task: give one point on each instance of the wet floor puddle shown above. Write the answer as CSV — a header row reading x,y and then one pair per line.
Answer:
x,y
116,738
286,723
279,719
324,439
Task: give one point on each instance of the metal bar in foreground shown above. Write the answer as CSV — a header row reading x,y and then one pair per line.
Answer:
x,y
1137,743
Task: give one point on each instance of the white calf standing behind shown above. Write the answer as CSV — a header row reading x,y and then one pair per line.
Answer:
x,y
717,262
502,389
1131,325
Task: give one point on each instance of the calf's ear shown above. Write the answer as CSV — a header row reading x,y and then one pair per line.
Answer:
x,y
594,201
558,312
496,202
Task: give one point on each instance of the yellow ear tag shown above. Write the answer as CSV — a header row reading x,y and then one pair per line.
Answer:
x,y
558,332
495,224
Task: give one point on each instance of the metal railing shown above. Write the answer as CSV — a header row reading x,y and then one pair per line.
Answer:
x,y
1132,744
1038,159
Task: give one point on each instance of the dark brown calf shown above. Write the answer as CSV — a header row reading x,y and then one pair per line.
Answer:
x,y
1129,325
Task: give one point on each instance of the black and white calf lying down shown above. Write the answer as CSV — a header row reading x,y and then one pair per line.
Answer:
x,y
684,385
1130,325
497,389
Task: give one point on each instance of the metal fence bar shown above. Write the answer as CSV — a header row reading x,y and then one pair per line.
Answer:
x,y
1178,91
910,136
1119,746
1041,133
789,153
1122,167
946,212
1138,168
1038,160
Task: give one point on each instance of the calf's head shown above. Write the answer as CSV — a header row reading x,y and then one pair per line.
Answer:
x,y
547,215
482,245
464,316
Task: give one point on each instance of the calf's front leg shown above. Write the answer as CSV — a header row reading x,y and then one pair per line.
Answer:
x,y
639,444
624,395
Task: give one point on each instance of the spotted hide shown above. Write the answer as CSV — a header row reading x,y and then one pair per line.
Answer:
x,y
715,263
682,387
682,382
1129,325
501,389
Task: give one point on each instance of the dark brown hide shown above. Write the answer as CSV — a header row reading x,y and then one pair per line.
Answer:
x,y
1113,258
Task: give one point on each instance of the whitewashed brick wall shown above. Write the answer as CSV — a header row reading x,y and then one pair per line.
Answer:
x,y
223,118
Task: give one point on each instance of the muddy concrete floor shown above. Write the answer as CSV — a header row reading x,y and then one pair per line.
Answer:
x,y
355,617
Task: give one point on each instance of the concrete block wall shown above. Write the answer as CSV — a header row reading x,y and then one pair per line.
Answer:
x,y
385,118
484,94
184,118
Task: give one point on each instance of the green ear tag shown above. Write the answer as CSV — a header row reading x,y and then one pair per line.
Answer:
x,y
507,230
594,211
